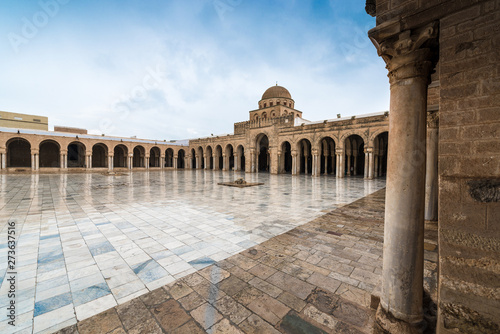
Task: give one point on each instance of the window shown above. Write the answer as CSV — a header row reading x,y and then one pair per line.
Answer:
x,y
270,104
265,105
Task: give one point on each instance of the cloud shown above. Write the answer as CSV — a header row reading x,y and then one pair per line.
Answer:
x,y
176,70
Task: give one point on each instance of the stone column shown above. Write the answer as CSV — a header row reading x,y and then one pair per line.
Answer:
x,y
4,160
110,163
64,159
409,61
37,160
376,165
431,176
370,163
340,163
294,163
325,163
162,161
280,163
315,163
175,162
32,161
147,162
224,162
348,165
367,160
355,165
252,160
306,164
334,162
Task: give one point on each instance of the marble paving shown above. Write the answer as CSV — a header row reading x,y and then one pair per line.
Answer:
x,y
89,242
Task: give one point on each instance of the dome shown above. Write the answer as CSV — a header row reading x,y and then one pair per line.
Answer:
x,y
276,91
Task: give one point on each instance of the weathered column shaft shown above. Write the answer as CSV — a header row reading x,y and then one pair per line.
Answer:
x,y
294,164
370,165
367,159
348,165
340,163
409,66
4,160
431,176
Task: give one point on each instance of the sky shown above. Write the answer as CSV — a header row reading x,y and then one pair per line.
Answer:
x,y
180,69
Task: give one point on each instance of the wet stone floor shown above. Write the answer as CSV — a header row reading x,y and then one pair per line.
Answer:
x,y
172,251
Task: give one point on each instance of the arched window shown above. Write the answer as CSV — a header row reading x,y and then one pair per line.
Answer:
x,y
270,104
256,117
265,105
278,102
264,115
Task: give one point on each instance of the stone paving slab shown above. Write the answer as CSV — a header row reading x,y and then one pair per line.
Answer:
x,y
89,242
315,278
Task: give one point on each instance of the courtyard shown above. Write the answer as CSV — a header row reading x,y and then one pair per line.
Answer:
x,y
87,242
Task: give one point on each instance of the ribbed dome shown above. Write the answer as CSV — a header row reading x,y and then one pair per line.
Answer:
x,y
276,91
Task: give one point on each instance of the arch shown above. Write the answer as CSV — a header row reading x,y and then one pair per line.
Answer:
x,y
169,157
241,157
229,157
181,155
120,156
263,158
18,152
154,157
139,154
354,152
76,155
327,155
99,155
264,115
380,146
286,157
50,154
343,138
210,158
304,148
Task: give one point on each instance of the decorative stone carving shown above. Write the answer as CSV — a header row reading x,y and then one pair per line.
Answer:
x,y
407,54
433,119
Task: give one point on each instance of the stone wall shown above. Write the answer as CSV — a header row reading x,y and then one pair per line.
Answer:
x,y
469,168
466,91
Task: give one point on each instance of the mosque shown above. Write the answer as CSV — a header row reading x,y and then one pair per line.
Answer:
x,y
275,139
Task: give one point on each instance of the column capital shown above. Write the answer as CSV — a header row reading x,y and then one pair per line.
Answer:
x,y
339,151
409,53
34,151
433,119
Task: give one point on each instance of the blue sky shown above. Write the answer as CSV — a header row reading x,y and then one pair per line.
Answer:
x,y
188,68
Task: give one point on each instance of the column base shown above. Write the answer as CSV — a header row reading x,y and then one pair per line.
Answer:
x,y
386,323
